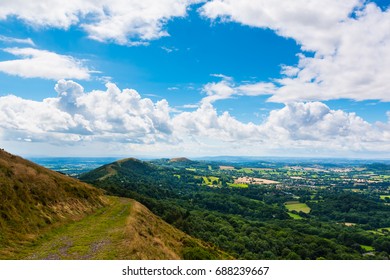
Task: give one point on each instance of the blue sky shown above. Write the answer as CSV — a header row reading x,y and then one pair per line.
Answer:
x,y
195,78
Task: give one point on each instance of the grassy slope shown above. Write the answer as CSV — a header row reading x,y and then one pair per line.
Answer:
x,y
295,205
34,199
295,216
124,229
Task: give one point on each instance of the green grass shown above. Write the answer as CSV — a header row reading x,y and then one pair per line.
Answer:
x,y
124,229
367,248
384,176
191,169
209,180
237,185
294,216
94,237
375,232
246,170
380,231
295,205
384,196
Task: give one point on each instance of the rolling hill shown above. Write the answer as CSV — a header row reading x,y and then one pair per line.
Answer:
x,y
179,159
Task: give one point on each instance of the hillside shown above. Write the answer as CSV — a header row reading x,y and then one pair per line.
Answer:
x,y
34,198
179,159
124,229
47,215
130,166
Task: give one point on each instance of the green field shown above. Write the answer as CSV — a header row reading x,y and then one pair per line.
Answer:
x,y
367,248
375,232
191,169
384,176
297,206
210,180
294,216
380,231
384,197
237,185
246,170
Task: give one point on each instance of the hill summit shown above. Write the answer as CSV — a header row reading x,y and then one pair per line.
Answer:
x,y
180,159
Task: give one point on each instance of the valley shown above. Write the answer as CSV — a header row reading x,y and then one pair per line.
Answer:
x,y
282,211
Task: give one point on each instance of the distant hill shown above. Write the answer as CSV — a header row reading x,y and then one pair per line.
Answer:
x,y
128,166
180,159
139,178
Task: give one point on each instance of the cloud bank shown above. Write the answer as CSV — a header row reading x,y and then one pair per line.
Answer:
x,y
125,118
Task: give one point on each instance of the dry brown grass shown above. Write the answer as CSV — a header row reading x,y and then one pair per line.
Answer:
x,y
226,167
33,198
123,229
150,238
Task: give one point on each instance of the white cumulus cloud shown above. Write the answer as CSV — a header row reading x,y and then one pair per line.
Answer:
x,y
35,63
206,122
316,121
297,124
124,119
76,115
126,22
350,41
309,22
226,88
